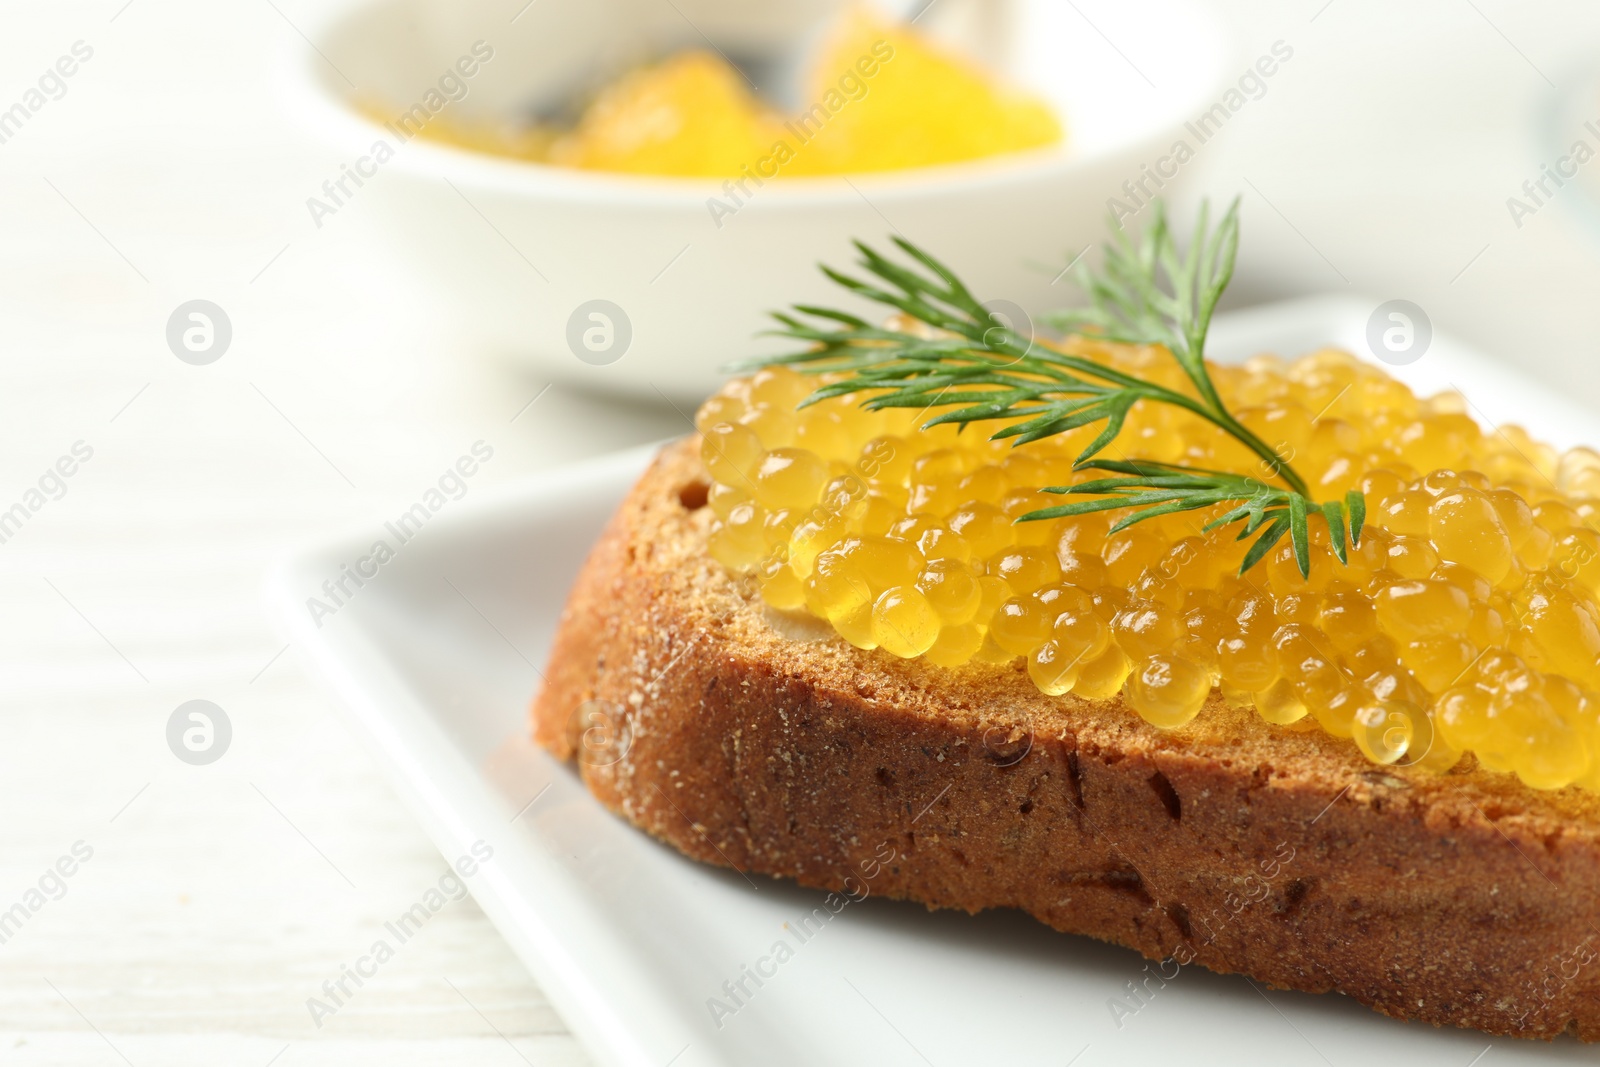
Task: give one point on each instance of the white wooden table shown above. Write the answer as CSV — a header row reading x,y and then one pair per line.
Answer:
x,y
219,898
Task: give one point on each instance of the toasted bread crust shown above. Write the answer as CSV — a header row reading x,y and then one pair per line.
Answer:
x,y
750,740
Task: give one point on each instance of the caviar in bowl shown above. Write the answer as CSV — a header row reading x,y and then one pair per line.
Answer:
x,y
645,285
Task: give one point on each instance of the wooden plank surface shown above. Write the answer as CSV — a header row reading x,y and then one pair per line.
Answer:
x,y
218,899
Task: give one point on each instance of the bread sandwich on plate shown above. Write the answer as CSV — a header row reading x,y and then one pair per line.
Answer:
x,y
1275,668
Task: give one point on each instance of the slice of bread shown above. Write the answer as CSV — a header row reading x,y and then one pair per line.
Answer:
x,y
764,742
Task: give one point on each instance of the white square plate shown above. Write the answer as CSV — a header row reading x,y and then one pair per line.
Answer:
x,y
437,658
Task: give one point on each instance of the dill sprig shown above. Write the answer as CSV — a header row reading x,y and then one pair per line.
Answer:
x,y
1164,489
964,358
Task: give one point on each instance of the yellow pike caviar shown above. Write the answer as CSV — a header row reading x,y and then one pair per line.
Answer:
x,y
1467,620
878,96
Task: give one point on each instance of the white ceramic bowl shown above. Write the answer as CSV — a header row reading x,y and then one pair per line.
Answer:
x,y
518,248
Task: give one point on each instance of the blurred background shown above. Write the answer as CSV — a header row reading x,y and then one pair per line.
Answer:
x,y
1397,155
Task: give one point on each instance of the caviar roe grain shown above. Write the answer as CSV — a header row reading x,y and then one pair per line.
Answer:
x,y
1466,620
